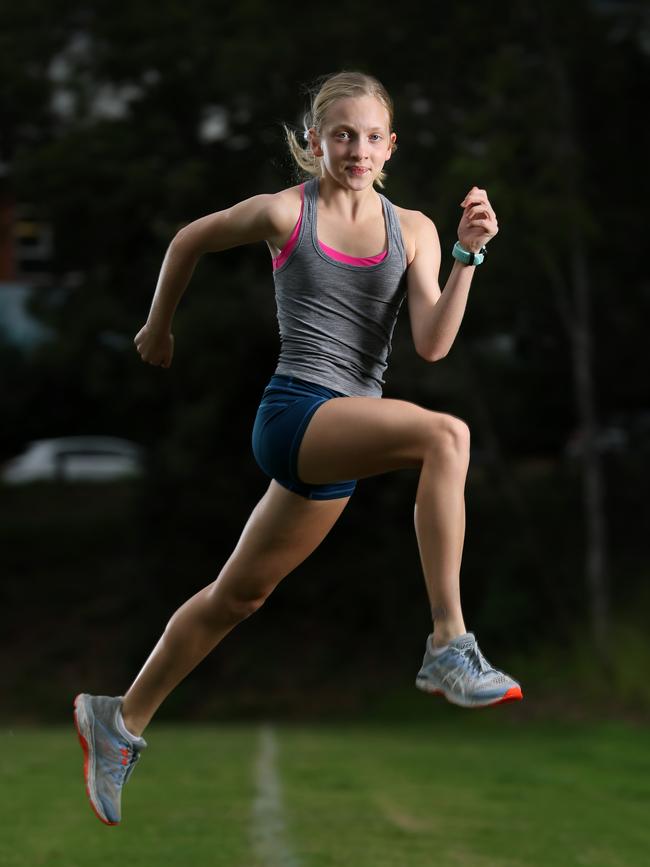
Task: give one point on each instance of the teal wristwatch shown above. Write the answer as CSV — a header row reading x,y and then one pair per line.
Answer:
x,y
466,256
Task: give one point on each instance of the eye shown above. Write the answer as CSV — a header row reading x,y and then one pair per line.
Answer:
x,y
341,134
375,136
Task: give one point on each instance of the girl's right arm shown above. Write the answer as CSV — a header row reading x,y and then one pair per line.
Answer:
x,y
259,218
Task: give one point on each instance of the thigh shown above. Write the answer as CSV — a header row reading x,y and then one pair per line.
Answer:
x,y
283,415
357,437
283,529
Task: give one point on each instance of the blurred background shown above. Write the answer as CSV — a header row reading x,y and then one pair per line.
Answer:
x,y
125,487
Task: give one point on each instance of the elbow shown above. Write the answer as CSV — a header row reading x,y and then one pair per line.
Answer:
x,y
182,236
179,240
186,241
434,354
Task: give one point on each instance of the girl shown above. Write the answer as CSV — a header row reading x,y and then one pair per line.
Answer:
x,y
344,258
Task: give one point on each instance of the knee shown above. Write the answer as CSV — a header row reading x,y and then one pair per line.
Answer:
x,y
234,604
450,438
240,607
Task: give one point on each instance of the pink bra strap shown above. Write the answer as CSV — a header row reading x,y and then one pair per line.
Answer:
x,y
285,252
352,260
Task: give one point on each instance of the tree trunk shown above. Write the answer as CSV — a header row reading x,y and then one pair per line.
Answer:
x,y
593,488
577,320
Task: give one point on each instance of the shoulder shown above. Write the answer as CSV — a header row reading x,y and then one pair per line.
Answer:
x,y
417,230
264,217
271,213
283,210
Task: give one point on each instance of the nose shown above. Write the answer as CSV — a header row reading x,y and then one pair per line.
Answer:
x,y
358,150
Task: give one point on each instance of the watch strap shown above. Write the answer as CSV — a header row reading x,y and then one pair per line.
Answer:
x,y
467,257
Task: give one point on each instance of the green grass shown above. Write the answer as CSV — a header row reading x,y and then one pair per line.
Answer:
x,y
469,788
188,805
469,792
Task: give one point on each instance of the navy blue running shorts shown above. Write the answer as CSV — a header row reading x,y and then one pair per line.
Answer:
x,y
286,408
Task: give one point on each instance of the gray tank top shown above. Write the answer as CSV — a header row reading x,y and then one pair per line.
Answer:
x,y
337,319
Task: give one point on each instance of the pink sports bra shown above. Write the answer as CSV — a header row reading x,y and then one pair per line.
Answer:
x,y
285,252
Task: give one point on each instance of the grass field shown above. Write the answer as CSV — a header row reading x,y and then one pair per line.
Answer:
x,y
467,789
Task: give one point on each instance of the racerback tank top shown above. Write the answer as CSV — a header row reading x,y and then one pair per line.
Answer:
x,y
336,318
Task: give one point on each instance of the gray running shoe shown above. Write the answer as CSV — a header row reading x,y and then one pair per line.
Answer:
x,y
464,676
109,756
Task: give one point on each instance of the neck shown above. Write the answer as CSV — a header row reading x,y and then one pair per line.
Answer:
x,y
350,204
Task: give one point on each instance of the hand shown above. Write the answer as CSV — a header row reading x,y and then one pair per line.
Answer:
x,y
155,347
478,223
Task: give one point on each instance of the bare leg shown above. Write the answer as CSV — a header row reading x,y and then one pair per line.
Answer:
x,y
346,438
282,531
439,516
360,437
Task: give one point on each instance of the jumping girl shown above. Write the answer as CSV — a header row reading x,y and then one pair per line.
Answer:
x,y
344,257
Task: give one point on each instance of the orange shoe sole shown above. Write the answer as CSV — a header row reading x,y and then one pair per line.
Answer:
x,y
513,694
84,747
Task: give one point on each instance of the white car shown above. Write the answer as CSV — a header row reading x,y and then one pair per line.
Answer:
x,y
76,459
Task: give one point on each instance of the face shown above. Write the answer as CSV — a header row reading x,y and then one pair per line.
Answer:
x,y
355,141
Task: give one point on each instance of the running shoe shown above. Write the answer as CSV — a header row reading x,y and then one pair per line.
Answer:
x,y
461,673
110,753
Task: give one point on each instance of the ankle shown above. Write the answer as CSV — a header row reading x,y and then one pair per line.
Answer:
x,y
132,724
443,633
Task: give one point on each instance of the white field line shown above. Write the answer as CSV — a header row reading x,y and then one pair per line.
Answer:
x,y
268,830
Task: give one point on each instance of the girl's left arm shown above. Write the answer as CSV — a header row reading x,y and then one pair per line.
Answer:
x,y
435,316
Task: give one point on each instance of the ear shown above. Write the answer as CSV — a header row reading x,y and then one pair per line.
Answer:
x,y
393,141
314,142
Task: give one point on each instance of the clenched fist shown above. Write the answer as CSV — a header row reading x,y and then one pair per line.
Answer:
x,y
155,346
479,222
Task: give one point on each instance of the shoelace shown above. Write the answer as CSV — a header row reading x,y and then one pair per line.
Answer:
x,y
128,758
478,663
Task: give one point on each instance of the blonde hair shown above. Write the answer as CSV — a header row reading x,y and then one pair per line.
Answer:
x,y
326,91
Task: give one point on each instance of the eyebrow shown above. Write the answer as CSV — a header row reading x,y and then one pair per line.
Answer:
x,y
353,127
